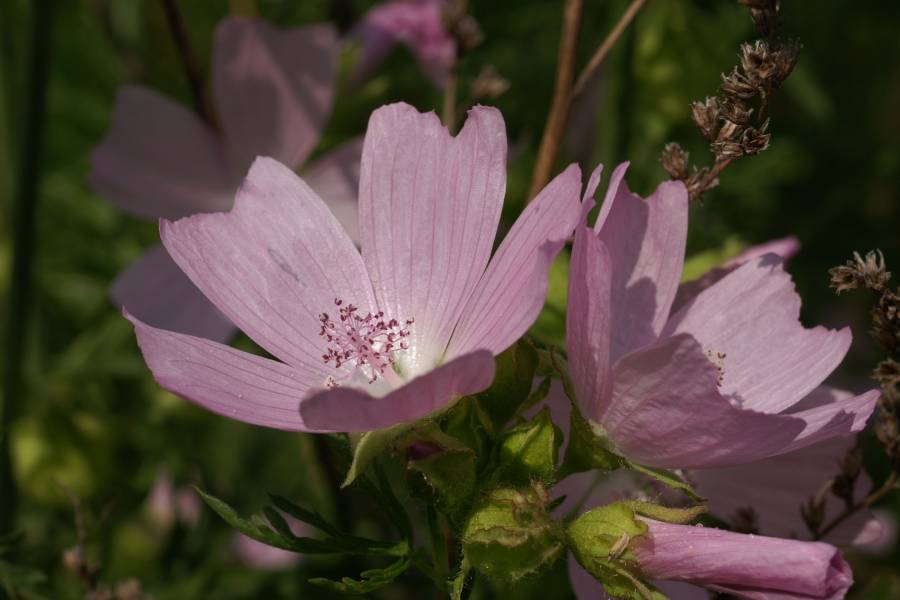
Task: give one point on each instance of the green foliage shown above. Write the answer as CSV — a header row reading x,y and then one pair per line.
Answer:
x,y
528,452
512,383
370,580
369,445
509,534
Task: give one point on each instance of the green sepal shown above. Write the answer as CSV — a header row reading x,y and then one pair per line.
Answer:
x,y
588,449
667,478
668,514
451,477
509,534
512,383
600,541
469,423
369,581
369,445
460,580
528,452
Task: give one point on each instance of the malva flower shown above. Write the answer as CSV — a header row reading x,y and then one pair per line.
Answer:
x,y
743,565
418,24
721,381
365,340
273,90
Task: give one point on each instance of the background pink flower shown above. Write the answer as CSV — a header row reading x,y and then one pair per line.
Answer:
x,y
273,90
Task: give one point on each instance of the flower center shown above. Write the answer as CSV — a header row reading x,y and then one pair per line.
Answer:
x,y
368,342
718,360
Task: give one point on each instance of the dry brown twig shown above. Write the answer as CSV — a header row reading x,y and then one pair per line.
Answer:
x,y
727,121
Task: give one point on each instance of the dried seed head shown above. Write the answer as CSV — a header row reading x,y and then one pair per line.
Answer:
x,y
869,272
675,161
765,14
754,141
844,484
745,520
737,85
736,111
813,513
727,150
706,116
489,84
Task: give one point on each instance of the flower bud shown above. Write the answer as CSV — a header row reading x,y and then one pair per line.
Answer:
x,y
509,534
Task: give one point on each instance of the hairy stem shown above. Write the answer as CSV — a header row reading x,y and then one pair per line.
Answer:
x,y
22,229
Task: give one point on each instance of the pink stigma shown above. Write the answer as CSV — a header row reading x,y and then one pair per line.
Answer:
x,y
367,342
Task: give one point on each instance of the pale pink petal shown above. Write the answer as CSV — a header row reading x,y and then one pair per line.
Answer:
x,y
512,291
666,411
351,409
751,316
418,24
646,241
226,381
750,566
158,293
837,417
776,487
429,208
273,88
786,248
274,263
334,176
160,160
588,326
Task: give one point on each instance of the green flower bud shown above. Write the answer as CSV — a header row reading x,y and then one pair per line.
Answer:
x,y
510,535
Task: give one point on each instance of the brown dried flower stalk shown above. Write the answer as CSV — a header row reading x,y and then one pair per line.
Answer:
x,y
732,126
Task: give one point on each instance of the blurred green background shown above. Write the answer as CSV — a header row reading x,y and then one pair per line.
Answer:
x,y
91,418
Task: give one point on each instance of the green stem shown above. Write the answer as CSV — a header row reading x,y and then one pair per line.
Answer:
x,y
22,228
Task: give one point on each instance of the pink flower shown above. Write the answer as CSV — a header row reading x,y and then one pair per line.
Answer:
x,y
418,24
747,566
726,378
167,503
365,340
273,91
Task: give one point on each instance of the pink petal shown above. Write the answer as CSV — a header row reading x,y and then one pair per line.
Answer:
x,y
776,487
839,415
419,24
274,263
351,409
748,565
666,411
752,317
335,178
784,247
226,381
588,323
158,293
160,160
646,241
429,208
273,88
512,291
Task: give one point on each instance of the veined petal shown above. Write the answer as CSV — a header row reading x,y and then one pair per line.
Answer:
x,y
429,208
748,565
273,88
512,291
353,409
776,487
157,292
334,176
786,248
226,381
646,241
666,412
834,414
751,316
588,326
159,160
274,263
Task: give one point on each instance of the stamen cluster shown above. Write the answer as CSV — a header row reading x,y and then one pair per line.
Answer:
x,y
367,342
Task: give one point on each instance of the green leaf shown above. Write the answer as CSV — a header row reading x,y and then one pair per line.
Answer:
x,y
528,452
470,424
666,513
451,476
370,445
510,535
667,478
587,449
550,326
307,516
370,581
512,383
